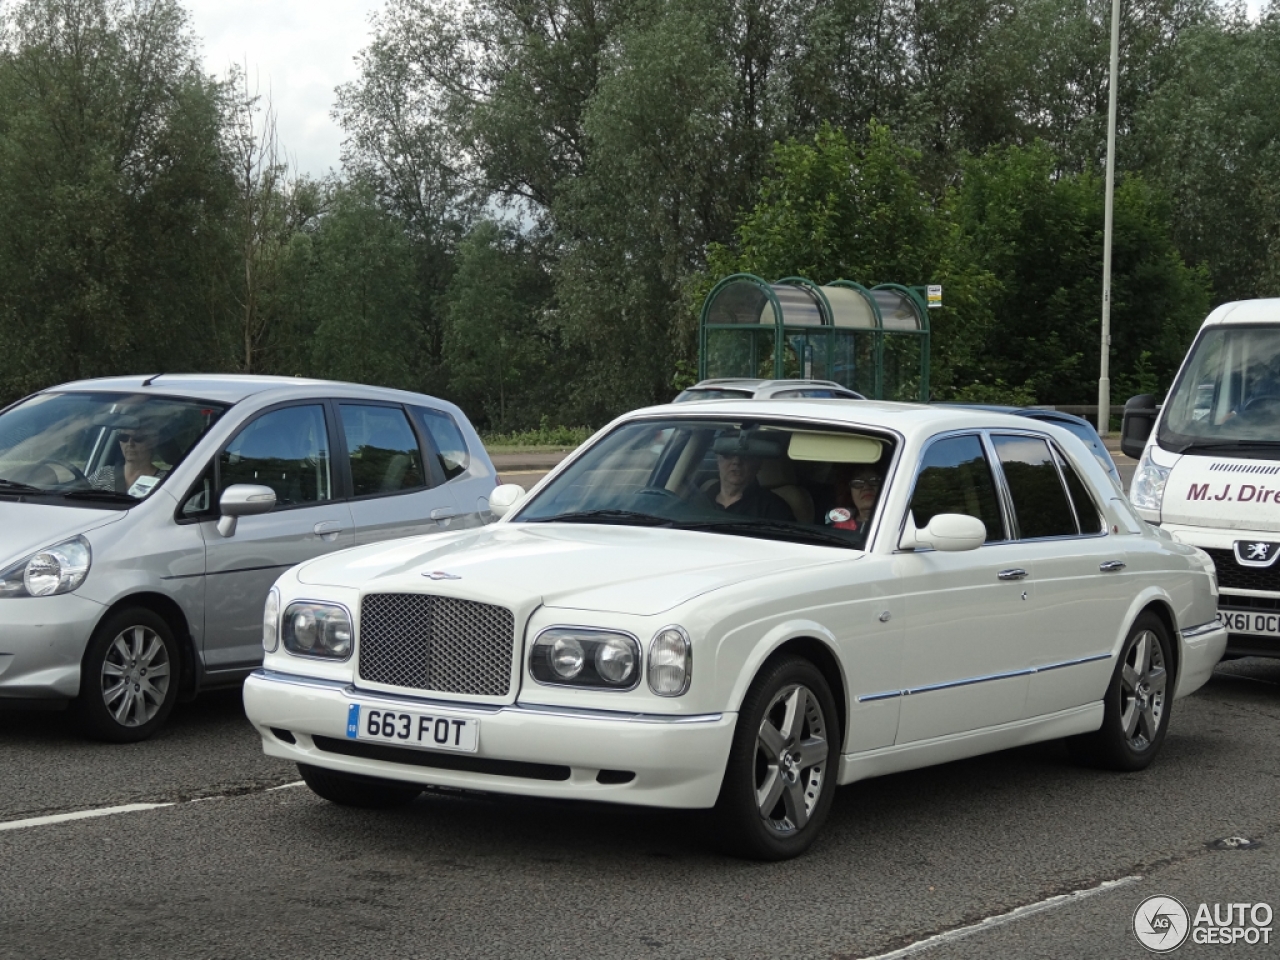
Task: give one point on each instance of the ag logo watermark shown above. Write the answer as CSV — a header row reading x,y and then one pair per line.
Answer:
x,y
1162,924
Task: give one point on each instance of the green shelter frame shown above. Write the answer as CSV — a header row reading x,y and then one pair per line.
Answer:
x,y
874,340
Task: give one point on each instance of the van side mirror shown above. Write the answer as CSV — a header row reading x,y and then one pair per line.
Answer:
x,y
504,498
950,532
243,500
1139,420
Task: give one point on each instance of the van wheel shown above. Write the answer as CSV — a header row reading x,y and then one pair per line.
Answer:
x,y
781,777
352,790
129,677
1137,703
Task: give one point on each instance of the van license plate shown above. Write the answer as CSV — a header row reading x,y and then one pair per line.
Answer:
x,y
1259,622
413,728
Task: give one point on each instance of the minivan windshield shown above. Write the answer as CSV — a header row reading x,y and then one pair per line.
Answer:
x,y
1228,396
741,477
98,447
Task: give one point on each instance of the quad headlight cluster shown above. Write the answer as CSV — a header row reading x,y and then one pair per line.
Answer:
x,y
308,629
611,660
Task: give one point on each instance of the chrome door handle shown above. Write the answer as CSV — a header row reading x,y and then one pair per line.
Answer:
x,y
326,527
443,513
1111,565
1015,573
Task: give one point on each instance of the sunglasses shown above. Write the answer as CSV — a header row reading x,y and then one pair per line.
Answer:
x,y
134,438
865,483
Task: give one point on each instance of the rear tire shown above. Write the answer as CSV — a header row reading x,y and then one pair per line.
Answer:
x,y
1137,703
353,790
781,776
128,677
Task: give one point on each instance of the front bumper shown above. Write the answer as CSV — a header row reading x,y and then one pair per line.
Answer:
x,y
676,761
42,641
1201,649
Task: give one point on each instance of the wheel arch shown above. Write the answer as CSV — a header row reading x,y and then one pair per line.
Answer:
x,y
169,610
810,642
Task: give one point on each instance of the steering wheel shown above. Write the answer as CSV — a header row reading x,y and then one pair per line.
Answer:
x,y
71,468
1261,400
659,492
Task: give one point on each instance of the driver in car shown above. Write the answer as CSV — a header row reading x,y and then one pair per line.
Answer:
x,y
738,460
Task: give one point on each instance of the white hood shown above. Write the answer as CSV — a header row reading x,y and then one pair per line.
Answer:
x,y
634,570
1230,493
28,527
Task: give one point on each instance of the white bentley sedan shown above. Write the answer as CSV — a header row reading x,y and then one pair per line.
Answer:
x,y
739,606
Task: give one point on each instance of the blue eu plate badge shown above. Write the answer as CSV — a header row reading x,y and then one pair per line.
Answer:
x,y
353,721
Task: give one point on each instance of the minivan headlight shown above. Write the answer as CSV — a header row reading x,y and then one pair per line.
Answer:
x,y
585,657
46,573
321,630
1146,492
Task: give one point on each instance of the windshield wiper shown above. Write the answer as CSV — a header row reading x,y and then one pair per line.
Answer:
x,y
19,487
630,517
1227,445
105,496
778,529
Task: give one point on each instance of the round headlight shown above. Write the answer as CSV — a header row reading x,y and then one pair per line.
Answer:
x,y
304,629
566,657
670,662
43,575
615,661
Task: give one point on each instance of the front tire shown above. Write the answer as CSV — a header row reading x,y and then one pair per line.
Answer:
x,y
129,677
352,790
1137,703
781,776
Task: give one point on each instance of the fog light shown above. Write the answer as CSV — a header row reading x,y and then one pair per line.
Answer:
x,y
670,662
271,621
566,657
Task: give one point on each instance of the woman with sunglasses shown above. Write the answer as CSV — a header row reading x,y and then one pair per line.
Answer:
x,y
856,494
138,473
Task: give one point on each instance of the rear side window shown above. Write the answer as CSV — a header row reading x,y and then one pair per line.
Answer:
x,y
450,446
1086,511
382,448
1039,500
955,477
286,450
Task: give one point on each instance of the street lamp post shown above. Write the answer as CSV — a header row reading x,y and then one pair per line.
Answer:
x,y
1104,378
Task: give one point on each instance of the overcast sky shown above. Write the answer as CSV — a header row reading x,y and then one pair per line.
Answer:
x,y
299,51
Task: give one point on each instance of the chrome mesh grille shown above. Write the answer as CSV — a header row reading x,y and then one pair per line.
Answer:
x,y
436,643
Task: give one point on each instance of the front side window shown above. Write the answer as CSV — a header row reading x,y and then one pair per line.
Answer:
x,y
1039,500
955,477
286,450
382,449
726,476
110,447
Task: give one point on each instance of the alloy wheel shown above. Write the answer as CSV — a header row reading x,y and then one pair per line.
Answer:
x,y
791,759
135,676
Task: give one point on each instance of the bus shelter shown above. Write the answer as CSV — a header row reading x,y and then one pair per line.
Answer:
x,y
874,340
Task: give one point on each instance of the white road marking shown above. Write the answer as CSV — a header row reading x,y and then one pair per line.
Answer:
x,y
990,923
80,815
127,808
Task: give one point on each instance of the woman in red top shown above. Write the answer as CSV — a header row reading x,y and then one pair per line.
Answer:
x,y
856,495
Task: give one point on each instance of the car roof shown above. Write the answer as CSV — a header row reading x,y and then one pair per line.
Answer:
x,y
1245,311
1034,413
233,387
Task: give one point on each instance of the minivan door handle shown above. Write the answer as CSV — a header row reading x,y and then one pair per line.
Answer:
x,y
1111,565
328,529
1015,573
443,513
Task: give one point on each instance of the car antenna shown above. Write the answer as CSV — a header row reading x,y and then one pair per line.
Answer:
x,y
152,379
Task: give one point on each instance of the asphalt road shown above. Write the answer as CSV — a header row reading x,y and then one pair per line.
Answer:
x,y
234,867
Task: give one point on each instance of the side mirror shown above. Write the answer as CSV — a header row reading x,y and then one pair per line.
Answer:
x,y
504,498
243,500
950,532
1139,419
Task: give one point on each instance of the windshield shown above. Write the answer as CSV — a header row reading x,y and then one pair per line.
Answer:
x,y
108,447
1229,392
729,476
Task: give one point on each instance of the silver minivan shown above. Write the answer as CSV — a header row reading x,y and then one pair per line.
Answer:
x,y
143,521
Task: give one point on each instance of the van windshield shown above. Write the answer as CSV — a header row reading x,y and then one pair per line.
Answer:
x,y
1228,395
103,447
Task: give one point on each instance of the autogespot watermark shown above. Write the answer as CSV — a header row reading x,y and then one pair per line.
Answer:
x,y
1162,924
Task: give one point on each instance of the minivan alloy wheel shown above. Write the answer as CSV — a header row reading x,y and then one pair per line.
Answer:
x,y
129,676
136,674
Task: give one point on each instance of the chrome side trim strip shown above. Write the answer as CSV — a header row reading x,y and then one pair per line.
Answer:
x,y
970,681
351,692
1199,631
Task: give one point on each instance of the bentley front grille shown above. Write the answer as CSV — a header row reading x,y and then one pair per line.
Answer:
x,y
436,644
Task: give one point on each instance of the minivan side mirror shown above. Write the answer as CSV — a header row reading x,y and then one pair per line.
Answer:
x,y
1139,419
243,500
950,532
504,498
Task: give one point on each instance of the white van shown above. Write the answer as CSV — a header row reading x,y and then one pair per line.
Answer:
x,y
1209,470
